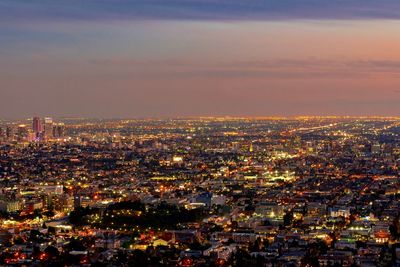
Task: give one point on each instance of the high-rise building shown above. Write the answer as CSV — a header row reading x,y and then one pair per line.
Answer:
x,y
58,130
37,126
48,128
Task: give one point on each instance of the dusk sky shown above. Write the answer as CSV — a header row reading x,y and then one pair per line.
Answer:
x,y
167,58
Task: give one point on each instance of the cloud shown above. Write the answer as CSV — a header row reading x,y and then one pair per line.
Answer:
x,y
377,65
39,10
269,68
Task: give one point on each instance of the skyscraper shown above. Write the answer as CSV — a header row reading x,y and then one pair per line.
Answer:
x,y
58,130
37,126
48,128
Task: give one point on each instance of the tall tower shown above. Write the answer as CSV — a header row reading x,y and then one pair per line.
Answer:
x,y
58,130
48,128
37,126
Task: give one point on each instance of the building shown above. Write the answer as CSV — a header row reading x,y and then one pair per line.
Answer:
x,y
10,205
22,132
59,130
48,128
37,126
9,133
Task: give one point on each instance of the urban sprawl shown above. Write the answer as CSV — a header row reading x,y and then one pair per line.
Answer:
x,y
303,191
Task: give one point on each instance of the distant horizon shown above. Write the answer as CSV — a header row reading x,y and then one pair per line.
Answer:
x,y
274,117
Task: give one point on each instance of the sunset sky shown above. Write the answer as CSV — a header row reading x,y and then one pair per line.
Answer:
x,y
167,58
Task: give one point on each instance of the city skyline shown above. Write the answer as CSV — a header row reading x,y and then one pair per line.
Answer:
x,y
200,192
200,133
135,59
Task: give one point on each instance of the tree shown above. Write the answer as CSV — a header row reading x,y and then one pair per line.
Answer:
x,y
52,252
288,218
51,230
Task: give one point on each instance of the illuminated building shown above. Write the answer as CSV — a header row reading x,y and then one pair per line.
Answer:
x,y
10,205
22,132
48,128
58,130
37,126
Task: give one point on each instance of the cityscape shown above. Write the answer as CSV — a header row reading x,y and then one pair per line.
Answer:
x,y
211,191
200,133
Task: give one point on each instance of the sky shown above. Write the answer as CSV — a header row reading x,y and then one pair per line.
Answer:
x,y
180,58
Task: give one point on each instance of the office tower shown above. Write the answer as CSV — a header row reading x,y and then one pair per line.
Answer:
x,y
48,128
58,130
37,126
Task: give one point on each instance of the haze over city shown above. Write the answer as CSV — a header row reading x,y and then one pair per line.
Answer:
x,y
128,59
200,133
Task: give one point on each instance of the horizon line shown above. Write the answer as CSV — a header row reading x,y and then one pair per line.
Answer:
x,y
200,117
